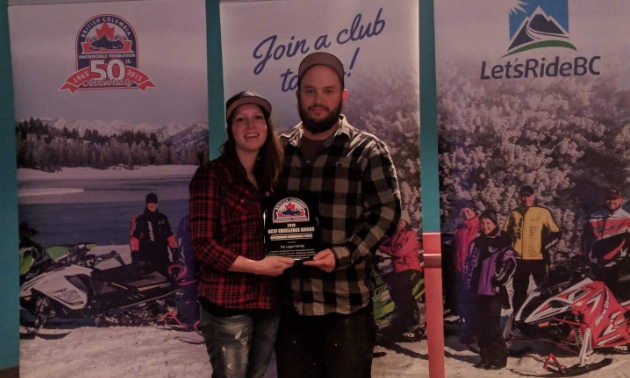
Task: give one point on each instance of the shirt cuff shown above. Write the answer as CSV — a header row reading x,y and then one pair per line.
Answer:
x,y
342,257
226,260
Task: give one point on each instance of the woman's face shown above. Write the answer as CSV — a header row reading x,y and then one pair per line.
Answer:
x,y
487,226
466,214
249,128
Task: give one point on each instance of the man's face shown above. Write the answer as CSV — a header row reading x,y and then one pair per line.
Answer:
x,y
320,99
613,202
527,200
152,207
487,226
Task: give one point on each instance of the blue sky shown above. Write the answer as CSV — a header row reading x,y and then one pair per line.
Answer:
x,y
558,9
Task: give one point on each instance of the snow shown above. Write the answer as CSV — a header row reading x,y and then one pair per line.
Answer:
x,y
114,173
47,191
129,352
158,352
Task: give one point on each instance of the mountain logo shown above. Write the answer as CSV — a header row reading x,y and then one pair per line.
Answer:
x,y
290,210
539,23
107,57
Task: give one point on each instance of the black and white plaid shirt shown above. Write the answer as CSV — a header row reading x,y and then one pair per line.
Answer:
x,y
359,208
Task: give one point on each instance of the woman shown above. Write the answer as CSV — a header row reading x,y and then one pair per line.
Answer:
x,y
464,235
489,267
239,312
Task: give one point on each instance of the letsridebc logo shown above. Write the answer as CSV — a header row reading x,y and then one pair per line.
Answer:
x,y
107,57
539,23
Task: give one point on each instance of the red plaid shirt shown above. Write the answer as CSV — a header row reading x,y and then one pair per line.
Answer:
x,y
226,222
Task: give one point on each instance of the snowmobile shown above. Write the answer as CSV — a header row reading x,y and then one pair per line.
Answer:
x,y
578,313
384,306
35,260
125,295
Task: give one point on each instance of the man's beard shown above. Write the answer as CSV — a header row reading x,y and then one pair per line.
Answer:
x,y
323,125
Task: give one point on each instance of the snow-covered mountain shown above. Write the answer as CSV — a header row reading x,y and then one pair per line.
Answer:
x,y
539,26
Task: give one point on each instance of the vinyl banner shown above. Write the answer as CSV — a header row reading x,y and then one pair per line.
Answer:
x,y
533,99
378,42
111,123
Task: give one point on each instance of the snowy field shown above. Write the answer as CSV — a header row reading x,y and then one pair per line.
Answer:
x,y
130,352
87,351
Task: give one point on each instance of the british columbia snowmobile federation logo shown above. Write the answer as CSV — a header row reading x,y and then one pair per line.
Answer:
x,y
107,57
539,23
291,209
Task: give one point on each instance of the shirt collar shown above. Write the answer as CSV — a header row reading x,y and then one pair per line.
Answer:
x,y
295,136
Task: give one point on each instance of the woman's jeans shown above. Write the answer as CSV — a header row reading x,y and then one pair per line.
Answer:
x,y
240,346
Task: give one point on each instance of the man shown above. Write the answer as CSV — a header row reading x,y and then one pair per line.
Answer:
x,y
151,235
327,328
532,231
606,236
404,248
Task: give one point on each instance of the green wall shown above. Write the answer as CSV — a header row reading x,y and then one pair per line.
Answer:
x,y
216,111
9,307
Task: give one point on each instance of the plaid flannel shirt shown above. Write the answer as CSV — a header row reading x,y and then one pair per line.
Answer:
x,y
359,208
226,222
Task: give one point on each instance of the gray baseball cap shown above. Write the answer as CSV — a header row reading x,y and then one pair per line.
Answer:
x,y
324,59
246,97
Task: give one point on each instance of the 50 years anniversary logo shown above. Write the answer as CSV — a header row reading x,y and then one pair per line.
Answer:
x,y
107,57
538,24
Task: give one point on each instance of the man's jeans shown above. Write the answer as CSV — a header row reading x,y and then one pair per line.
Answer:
x,y
240,346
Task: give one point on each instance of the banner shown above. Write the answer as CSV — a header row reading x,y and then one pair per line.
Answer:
x,y
111,123
533,127
263,44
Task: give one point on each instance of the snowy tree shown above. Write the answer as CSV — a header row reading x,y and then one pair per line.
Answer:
x,y
566,137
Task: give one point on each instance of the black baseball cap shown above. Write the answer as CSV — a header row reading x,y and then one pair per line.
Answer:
x,y
526,191
246,97
151,198
324,59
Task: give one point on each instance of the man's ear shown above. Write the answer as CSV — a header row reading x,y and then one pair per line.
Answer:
x,y
344,95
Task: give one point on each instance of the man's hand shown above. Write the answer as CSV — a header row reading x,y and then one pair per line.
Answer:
x,y
324,260
273,265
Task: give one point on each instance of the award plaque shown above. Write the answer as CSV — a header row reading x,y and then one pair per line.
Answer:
x,y
291,226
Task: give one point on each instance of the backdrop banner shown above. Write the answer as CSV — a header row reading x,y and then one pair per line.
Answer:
x,y
263,44
111,105
533,99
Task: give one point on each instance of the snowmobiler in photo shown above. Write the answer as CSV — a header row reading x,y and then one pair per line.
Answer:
x,y
579,312
386,311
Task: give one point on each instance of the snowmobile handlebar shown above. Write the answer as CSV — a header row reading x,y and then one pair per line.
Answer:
x,y
181,274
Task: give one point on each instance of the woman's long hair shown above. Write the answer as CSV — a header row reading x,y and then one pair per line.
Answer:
x,y
270,156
